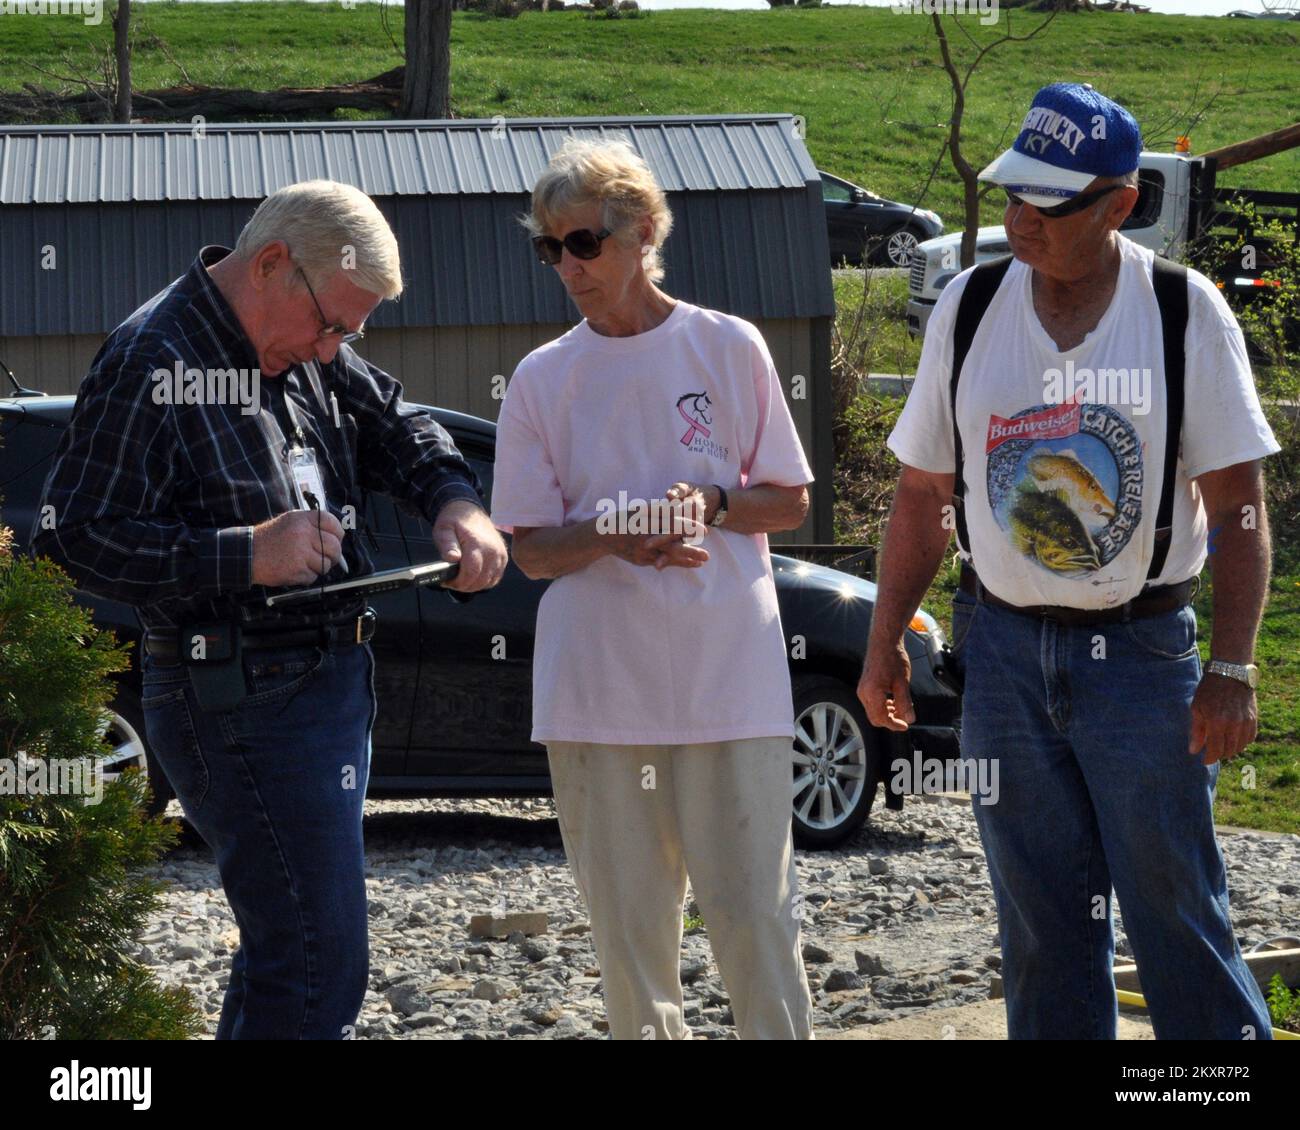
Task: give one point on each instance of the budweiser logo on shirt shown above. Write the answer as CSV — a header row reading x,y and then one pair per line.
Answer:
x,y
1052,423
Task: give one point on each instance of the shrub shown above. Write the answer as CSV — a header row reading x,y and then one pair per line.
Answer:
x,y
72,897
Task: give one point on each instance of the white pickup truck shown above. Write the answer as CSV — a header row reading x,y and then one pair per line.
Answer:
x,y
1177,201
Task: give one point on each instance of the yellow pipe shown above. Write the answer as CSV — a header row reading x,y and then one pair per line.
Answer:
x,y
1137,999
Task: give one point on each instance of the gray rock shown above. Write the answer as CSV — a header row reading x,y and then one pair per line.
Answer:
x,y
870,964
535,949
840,980
424,1020
544,1014
486,990
815,954
408,999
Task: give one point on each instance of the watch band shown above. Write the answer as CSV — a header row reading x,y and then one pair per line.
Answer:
x,y
1246,673
720,515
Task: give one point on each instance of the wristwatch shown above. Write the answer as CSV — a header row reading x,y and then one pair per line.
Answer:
x,y
720,515
1246,673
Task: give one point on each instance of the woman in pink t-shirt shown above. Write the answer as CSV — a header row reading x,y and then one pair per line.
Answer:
x,y
642,458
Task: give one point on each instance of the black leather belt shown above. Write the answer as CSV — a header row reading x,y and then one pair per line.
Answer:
x,y
1150,602
162,643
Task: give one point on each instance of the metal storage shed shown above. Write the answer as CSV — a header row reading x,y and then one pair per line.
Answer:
x,y
96,219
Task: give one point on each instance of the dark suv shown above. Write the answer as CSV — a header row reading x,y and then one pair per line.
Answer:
x,y
454,680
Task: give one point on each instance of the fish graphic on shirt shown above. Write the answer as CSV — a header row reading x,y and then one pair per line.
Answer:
x,y
1063,473
1044,526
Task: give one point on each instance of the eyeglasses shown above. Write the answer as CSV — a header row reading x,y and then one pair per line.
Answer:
x,y
331,329
582,244
1069,207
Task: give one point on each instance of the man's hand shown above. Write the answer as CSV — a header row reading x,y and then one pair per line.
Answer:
x,y
289,549
464,533
885,689
1225,719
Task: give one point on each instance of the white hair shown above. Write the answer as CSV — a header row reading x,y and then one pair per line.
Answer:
x,y
609,173
328,227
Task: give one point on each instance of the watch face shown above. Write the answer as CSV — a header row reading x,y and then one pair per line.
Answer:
x,y
1252,675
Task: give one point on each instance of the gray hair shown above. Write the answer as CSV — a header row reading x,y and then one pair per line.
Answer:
x,y
609,173
328,227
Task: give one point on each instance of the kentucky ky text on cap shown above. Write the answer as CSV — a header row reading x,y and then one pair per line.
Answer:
x,y
1071,136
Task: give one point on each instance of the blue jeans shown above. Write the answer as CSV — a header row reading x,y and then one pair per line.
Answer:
x,y
1088,726
276,787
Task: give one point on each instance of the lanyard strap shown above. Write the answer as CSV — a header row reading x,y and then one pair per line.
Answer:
x,y
295,425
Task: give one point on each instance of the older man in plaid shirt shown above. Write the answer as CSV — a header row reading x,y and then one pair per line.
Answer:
x,y
169,497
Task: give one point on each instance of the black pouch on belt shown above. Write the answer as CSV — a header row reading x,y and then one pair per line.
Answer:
x,y
212,652
947,673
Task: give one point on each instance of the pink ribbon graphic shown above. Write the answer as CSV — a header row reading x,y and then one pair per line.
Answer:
x,y
694,427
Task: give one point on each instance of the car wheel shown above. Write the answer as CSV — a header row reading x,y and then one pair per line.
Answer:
x,y
897,246
834,754
125,735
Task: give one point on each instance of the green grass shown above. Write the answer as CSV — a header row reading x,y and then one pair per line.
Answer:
x,y
867,81
891,350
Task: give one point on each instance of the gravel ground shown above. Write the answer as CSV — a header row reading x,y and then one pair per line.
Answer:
x,y
899,921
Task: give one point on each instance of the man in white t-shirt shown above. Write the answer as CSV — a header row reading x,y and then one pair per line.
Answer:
x,y
660,683
1072,627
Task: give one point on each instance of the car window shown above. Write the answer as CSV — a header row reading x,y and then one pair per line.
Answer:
x,y
1151,195
835,190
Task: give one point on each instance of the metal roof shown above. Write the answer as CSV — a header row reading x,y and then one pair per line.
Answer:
x,y
122,164
123,210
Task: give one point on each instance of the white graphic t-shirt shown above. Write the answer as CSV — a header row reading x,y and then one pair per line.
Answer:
x,y
628,654
1064,450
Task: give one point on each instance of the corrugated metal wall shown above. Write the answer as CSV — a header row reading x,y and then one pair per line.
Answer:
x,y
82,268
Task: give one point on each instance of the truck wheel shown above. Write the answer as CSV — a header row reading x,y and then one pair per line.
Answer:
x,y
835,752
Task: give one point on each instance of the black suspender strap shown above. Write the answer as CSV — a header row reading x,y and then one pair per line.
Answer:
x,y
975,298
1170,281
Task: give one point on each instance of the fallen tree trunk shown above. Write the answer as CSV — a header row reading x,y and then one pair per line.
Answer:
x,y
213,103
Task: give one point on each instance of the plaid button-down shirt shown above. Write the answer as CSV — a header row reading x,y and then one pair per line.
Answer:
x,y
154,504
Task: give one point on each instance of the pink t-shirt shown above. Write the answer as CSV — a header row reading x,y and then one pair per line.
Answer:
x,y
628,654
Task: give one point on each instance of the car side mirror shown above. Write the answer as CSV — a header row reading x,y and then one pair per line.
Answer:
x,y
859,195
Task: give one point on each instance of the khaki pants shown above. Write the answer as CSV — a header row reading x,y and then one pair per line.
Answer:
x,y
635,820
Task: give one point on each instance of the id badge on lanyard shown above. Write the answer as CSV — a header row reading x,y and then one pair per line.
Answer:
x,y
306,476
304,471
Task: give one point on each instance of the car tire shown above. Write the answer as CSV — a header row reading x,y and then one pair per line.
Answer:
x,y
832,735
896,246
126,735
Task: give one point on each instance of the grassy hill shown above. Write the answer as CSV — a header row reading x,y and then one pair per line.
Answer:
x,y
867,81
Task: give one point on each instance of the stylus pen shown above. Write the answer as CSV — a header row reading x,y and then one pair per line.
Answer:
x,y
314,503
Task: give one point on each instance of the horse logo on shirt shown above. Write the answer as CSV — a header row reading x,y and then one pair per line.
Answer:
x,y
697,410
694,409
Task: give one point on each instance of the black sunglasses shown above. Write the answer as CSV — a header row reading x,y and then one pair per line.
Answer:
x,y
582,244
1068,208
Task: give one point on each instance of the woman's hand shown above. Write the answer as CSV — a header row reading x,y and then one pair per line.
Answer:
x,y
698,501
